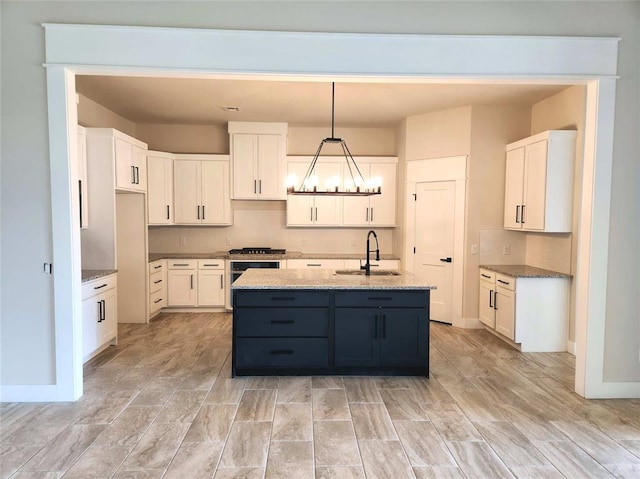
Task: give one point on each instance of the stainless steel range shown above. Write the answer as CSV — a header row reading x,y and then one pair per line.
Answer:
x,y
239,266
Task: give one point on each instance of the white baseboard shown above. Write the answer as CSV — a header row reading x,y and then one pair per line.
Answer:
x,y
34,393
571,347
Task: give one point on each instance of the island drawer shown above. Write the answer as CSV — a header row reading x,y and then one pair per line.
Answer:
x,y
287,299
282,352
301,322
381,298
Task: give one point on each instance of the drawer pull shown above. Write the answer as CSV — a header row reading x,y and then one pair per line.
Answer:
x,y
158,300
485,276
156,282
209,264
281,351
504,282
180,264
157,267
101,286
314,264
282,321
287,298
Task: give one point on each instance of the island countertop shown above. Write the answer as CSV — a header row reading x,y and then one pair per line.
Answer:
x,y
325,279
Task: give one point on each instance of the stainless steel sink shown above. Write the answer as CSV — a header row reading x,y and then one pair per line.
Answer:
x,y
360,272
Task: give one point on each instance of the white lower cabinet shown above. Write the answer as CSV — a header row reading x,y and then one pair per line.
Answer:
x,y
99,315
157,286
182,279
531,312
193,282
211,290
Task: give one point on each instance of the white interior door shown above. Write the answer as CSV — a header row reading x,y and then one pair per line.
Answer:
x,y
434,243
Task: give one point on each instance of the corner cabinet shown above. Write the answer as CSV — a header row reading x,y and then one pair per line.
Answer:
x,y
539,181
160,188
279,332
99,315
201,189
258,158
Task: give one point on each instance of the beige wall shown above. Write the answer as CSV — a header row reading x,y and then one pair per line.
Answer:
x,y
562,111
94,115
439,134
360,141
490,130
184,138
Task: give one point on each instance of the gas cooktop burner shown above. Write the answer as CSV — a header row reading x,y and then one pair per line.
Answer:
x,y
257,250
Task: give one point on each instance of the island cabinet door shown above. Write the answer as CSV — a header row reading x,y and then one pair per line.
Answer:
x,y
403,337
357,339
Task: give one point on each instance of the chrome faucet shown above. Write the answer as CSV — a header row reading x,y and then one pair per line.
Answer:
x,y
367,266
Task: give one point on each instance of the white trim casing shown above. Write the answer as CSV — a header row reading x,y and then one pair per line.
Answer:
x,y
74,49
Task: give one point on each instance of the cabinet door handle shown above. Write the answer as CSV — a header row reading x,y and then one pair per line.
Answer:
x,y
367,215
282,321
316,213
137,175
371,214
517,213
133,175
101,286
191,281
168,212
260,186
384,326
203,215
156,282
281,351
100,311
221,282
491,298
198,211
522,215
485,276
495,300
255,186
158,300
311,214
104,310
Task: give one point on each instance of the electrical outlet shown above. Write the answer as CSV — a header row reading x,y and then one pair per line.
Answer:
x,y
354,243
506,249
183,241
474,249
228,241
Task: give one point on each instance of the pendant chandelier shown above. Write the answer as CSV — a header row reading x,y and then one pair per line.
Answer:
x,y
356,186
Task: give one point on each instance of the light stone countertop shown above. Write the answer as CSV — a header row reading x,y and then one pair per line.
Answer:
x,y
91,274
322,279
266,257
523,271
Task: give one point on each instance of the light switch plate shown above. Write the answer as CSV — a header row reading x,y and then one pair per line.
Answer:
x,y
506,249
474,249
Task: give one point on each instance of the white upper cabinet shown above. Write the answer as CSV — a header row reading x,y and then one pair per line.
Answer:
x,y
539,182
82,178
128,155
308,210
377,210
258,157
201,189
160,188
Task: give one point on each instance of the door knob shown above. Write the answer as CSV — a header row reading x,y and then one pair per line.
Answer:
x,y
446,260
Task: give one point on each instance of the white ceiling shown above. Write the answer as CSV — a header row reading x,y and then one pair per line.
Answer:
x,y
300,103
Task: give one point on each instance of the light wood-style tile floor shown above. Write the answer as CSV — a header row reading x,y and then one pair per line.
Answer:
x,y
163,404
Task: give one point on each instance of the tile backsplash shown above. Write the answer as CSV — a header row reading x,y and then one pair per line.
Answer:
x,y
543,250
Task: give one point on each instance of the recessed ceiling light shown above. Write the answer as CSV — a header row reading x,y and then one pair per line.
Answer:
x,y
230,108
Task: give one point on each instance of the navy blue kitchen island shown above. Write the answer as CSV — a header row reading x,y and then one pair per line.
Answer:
x,y
323,322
